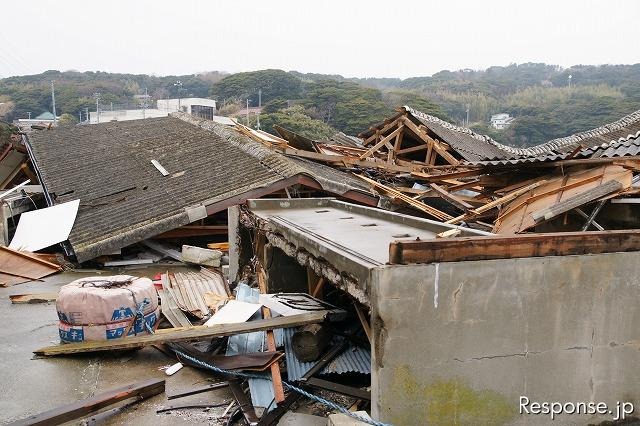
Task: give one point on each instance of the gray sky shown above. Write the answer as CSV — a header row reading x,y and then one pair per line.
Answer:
x,y
353,38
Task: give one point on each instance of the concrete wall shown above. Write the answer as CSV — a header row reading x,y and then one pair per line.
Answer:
x,y
459,343
125,115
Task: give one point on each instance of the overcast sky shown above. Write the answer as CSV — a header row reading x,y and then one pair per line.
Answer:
x,y
353,38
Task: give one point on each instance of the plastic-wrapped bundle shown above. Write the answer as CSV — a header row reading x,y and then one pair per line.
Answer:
x,y
103,308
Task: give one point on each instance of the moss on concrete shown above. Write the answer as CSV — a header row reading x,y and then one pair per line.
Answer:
x,y
444,402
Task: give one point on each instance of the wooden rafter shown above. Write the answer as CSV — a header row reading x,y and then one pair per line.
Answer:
x,y
383,142
416,204
437,146
496,203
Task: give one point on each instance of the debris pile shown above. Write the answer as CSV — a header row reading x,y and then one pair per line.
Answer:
x,y
160,194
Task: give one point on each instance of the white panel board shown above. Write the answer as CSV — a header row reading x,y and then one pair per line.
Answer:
x,y
45,227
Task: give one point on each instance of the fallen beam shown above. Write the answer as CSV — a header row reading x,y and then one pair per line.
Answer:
x,y
195,391
339,388
509,247
184,334
85,407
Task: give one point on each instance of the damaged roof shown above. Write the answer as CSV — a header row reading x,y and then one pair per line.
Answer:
x,y
124,198
474,147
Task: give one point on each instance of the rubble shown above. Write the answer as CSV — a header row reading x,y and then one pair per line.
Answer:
x,y
293,298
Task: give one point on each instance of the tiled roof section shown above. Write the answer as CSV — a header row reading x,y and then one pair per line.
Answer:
x,y
125,199
617,148
476,147
345,140
470,145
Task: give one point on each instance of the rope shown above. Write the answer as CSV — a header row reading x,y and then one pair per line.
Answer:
x,y
321,400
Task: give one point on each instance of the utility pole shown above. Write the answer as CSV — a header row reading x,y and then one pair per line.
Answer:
x,y
570,81
259,106
97,96
53,102
179,85
247,112
468,106
144,103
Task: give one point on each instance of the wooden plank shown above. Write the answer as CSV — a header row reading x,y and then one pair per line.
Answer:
x,y
412,149
515,246
33,298
248,411
339,388
578,200
496,203
416,204
20,266
446,176
317,290
364,321
559,191
377,132
450,197
276,379
197,390
184,334
83,408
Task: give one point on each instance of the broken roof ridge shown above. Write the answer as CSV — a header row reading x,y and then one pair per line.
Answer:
x,y
546,147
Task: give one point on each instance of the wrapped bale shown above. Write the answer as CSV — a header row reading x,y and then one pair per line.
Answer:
x,y
104,308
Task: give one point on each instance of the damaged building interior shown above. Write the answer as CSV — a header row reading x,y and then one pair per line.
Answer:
x,y
417,273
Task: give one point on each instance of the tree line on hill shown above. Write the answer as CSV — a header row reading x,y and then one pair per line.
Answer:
x,y
547,101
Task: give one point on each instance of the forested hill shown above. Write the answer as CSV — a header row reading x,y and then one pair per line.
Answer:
x,y
544,100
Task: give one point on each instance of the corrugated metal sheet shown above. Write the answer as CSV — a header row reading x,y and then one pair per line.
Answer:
x,y
261,389
353,359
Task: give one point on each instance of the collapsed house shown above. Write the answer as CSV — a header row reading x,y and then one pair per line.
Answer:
x,y
138,179
455,273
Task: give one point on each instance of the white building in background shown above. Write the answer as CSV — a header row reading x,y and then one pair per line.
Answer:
x,y
199,107
501,121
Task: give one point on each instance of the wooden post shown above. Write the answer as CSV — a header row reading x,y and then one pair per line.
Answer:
x,y
278,389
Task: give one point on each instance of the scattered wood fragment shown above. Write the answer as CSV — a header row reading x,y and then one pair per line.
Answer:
x,y
77,410
278,389
496,203
456,201
219,246
183,334
203,405
197,390
450,233
244,402
413,203
19,267
339,388
33,298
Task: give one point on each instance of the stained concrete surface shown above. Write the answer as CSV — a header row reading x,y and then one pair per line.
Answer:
x,y
30,386
460,342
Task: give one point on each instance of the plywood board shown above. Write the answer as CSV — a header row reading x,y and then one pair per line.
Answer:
x,y
517,216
